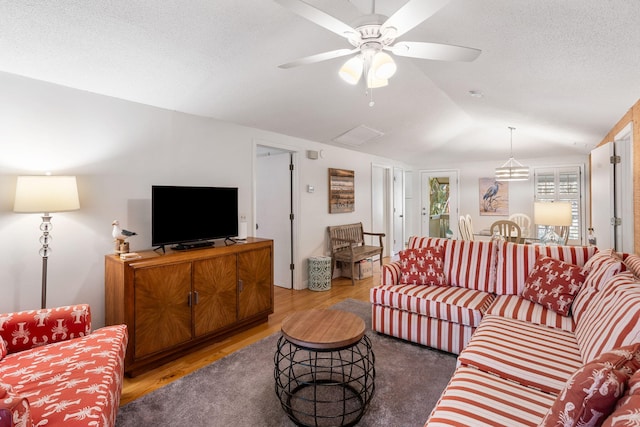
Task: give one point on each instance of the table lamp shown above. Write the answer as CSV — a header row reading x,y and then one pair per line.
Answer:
x,y
46,194
551,215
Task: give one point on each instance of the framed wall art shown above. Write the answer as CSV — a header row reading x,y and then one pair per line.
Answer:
x,y
494,197
341,191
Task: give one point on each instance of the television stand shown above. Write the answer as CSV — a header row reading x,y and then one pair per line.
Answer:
x,y
193,245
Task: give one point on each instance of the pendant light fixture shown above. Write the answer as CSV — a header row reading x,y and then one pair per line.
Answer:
x,y
512,170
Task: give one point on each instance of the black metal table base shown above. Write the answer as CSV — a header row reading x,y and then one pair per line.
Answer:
x,y
324,388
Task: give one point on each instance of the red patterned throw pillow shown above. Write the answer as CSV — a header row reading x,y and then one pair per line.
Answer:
x,y
592,392
554,284
423,266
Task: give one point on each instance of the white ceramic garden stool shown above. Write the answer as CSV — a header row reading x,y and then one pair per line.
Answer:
x,y
320,273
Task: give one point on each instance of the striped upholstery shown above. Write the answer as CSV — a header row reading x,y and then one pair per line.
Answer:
x,y
390,273
516,260
612,318
478,399
416,242
516,307
632,263
523,352
471,264
435,333
459,305
601,267
577,255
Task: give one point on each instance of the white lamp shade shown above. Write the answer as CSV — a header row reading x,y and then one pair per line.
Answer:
x,y
46,194
351,70
384,66
373,82
552,213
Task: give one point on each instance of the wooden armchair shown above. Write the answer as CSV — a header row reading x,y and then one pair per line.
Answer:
x,y
347,246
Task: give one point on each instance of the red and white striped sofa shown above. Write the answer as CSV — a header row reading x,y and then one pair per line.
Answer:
x,y
55,371
514,356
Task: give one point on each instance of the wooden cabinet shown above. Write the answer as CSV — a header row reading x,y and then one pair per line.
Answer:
x,y
175,301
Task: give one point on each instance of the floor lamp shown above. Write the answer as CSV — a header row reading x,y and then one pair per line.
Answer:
x,y
551,215
46,194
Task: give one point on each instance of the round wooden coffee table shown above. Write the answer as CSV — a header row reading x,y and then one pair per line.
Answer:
x,y
324,368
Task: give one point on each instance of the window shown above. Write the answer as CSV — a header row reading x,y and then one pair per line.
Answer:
x,y
561,184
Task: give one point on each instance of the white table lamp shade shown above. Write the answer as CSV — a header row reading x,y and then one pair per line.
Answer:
x,y
46,194
552,213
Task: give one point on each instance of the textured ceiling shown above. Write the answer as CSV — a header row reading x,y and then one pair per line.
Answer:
x,y
561,72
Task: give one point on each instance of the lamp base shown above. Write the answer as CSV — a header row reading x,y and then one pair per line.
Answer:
x,y
551,238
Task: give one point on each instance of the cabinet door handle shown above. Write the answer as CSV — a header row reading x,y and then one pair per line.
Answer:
x,y
240,285
189,299
196,297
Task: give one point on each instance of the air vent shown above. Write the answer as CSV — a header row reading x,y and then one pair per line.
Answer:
x,y
358,136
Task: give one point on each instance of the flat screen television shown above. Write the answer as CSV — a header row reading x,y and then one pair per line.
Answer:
x,y
190,216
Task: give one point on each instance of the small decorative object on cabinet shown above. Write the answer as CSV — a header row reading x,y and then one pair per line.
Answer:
x,y
176,301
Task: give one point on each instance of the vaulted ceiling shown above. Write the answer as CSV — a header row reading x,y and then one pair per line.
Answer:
x,y
562,72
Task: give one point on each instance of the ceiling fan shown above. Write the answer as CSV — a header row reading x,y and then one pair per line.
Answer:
x,y
373,35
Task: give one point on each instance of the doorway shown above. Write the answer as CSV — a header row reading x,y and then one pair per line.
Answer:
x,y
274,213
439,203
381,206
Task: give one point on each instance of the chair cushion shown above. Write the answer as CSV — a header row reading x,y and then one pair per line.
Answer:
x,y
632,263
592,392
423,266
600,267
515,261
612,318
454,304
72,383
479,399
523,352
554,284
471,264
516,307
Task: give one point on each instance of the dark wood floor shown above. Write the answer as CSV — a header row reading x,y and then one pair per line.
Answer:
x,y
285,302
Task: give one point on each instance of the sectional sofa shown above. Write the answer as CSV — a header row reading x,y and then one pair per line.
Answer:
x,y
56,371
544,335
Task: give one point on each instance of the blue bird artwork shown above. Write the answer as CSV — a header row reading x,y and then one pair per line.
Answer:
x,y
491,198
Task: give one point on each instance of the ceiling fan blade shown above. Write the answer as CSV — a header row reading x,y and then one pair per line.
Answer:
x,y
437,51
318,57
411,14
318,17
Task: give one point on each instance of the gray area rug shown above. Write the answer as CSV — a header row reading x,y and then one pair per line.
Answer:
x,y
239,389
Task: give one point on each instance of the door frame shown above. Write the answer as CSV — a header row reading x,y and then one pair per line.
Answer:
x,y
295,201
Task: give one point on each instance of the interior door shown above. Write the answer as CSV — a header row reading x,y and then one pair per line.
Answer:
x,y
623,171
602,200
398,210
273,213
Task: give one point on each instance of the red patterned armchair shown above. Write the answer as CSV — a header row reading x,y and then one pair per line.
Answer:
x,y
55,371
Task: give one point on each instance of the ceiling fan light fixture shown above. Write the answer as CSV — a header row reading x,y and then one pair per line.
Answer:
x,y
384,66
351,70
374,82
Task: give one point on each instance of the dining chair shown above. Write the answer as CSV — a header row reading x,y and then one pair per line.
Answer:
x,y
465,227
507,229
524,221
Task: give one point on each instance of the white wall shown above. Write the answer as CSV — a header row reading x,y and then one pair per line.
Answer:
x,y
118,149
